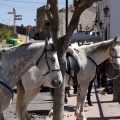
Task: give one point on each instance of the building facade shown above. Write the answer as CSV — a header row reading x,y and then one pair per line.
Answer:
x,y
42,25
108,18
86,22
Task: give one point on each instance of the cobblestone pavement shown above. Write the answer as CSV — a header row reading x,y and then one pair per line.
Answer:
x,y
103,107
38,108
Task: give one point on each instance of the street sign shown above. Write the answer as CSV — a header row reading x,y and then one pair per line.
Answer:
x,y
18,18
18,15
28,27
10,12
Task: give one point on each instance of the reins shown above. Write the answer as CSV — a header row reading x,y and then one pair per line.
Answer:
x,y
94,64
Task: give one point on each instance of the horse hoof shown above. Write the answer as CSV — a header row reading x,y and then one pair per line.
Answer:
x,y
76,114
50,113
79,119
90,104
66,101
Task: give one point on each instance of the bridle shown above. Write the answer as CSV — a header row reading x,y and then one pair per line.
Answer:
x,y
113,57
49,69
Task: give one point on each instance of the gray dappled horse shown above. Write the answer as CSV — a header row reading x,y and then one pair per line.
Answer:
x,y
15,61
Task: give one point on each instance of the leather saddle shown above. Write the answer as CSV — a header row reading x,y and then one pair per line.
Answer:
x,y
72,67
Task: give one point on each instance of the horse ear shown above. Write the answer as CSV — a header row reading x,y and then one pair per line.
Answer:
x,y
117,38
46,41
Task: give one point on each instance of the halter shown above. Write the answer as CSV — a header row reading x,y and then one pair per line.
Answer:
x,y
113,57
49,70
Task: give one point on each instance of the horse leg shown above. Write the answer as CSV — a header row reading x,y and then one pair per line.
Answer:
x,y
28,97
78,101
1,114
20,112
67,94
23,99
89,93
83,92
66,98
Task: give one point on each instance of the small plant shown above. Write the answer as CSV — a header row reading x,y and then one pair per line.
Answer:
x,y
4,34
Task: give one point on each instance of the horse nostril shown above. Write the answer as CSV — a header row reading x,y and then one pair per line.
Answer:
x,y
56,83
115,63
59,82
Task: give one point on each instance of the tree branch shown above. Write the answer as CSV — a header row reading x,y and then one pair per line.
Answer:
x,y
47,10
79,8
54,20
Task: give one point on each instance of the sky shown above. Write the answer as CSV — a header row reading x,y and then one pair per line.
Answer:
x,y
26,8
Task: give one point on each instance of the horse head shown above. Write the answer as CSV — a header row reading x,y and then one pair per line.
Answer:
x,y
49,61
115,52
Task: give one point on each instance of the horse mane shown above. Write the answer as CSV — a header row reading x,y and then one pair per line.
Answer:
x,y
101,46
80,56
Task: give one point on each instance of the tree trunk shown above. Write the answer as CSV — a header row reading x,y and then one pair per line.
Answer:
x,y
62,45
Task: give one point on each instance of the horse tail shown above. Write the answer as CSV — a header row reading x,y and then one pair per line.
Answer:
x,y
20,94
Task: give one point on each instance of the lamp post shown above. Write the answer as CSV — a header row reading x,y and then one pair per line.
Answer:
x,y
101,27
100,24
66,14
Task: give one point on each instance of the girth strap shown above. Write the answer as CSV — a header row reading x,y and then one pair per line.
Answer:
x,y
95,65
92,60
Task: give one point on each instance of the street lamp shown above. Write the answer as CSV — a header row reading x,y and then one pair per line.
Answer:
x,y
100,24
106,10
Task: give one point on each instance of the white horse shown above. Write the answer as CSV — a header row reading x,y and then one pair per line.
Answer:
x,y
16,61
88,57
29,86
96,54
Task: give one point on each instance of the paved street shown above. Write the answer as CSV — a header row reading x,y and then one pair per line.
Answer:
x,y
103,107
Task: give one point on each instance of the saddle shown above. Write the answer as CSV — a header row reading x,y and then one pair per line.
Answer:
x,y
72,67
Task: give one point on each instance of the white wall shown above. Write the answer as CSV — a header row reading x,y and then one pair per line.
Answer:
x,y
114,18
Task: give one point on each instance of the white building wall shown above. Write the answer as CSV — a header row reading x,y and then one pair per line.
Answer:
x,y
114,18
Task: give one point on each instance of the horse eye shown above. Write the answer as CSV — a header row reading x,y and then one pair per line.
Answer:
x,y
53,59
113,49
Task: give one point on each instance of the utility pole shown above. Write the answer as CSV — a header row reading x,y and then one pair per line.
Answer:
x,y
66,15
14,13
15,17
